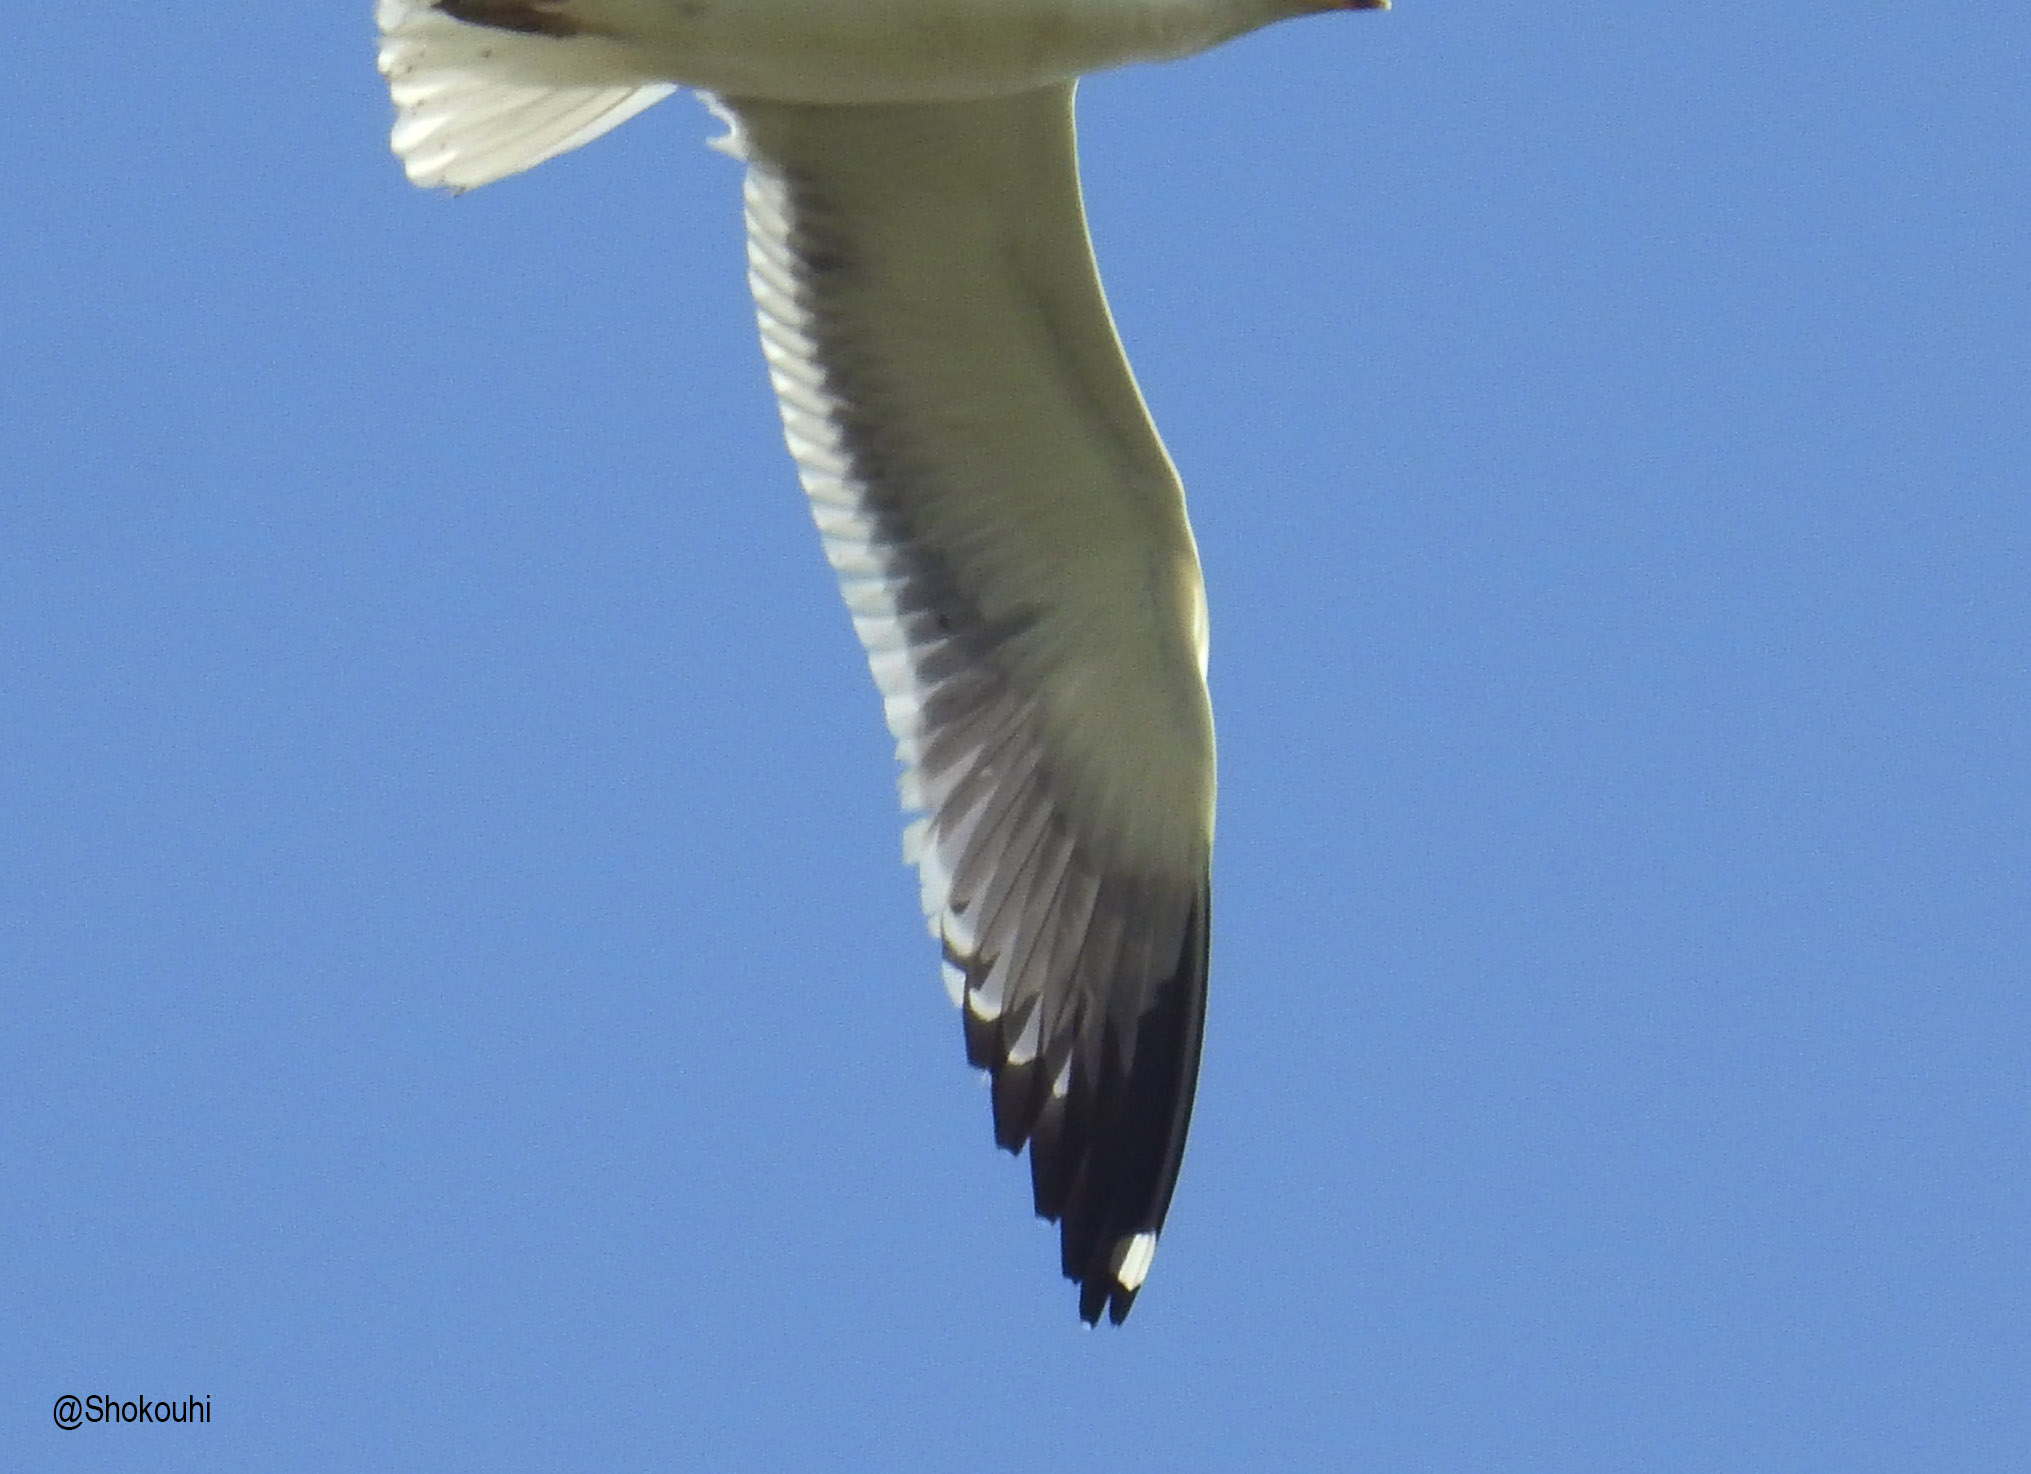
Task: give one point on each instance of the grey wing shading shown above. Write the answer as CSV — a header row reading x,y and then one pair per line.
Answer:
x,y
1010,539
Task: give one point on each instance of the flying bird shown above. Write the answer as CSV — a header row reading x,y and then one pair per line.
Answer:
x,y
1008,532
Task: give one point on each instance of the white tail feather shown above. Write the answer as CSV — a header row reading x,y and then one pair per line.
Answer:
x,y
477,103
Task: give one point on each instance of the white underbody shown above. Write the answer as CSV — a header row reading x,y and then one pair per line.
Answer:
x,y
871,51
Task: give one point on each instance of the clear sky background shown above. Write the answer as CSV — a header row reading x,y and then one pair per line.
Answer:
x,y
461,1007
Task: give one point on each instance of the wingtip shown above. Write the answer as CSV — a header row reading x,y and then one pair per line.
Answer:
x,y
1104,1292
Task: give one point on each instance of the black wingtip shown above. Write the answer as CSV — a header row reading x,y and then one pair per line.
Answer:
x,y
1102,1291
1105,1110
1093,1299
1118,1301
1105,1161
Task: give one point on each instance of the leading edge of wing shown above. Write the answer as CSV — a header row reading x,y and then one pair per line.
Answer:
x,y
1010,539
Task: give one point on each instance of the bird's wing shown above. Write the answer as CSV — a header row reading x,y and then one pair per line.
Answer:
x,y
1011,541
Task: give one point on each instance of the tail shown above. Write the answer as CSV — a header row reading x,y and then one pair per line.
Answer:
x,y
487,88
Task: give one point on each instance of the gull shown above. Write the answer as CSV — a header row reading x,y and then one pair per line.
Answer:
x,y
1008,532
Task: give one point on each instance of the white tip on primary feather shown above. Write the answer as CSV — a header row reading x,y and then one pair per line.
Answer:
x,y
477,103
1133,1260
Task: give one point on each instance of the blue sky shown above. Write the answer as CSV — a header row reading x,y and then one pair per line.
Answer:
x,y
463,1006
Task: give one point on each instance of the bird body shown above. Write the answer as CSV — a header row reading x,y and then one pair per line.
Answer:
x,y
1008,532
849,51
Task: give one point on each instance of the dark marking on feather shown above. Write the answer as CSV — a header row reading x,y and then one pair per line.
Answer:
x,y
524,17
